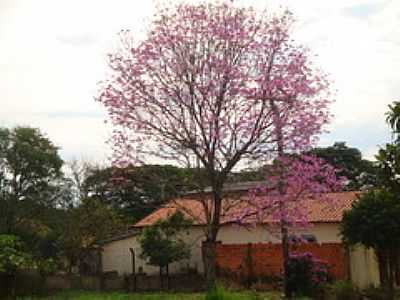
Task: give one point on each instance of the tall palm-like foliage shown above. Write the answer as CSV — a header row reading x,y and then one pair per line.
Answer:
x,y
393,119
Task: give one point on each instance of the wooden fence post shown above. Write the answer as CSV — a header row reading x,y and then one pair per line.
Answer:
x,y
249,266
133,268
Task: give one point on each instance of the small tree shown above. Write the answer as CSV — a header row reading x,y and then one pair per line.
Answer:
x,y
374,221
162,243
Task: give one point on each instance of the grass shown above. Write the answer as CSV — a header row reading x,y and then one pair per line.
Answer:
x,y
225,295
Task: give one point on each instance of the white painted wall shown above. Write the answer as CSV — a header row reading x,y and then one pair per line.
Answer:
x,y
364,267
117,257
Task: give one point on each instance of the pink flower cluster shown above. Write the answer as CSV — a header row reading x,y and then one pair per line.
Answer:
x,y
293,185
318,268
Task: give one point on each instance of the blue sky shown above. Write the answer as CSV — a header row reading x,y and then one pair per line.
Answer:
x,y
52,54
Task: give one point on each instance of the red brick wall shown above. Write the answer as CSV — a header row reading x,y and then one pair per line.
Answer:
x,y
266,259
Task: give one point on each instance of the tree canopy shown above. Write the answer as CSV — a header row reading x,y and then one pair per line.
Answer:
x,y
136,191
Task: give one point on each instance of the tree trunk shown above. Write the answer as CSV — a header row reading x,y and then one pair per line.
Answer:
x,y
209,245
285,257
209,261
281,189
382,267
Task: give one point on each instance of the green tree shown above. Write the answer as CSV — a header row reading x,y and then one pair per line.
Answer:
x,y
374,221
30,169
361,173
162,243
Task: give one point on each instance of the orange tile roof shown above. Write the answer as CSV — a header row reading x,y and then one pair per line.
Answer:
x,y
191,207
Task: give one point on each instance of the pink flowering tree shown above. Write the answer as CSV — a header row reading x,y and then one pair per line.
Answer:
x,y
294,185
215,84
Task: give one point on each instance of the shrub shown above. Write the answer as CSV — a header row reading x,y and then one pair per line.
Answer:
x,y
306,274
342,290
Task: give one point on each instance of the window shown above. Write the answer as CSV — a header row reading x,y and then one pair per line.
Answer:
x,y
309,238
304,238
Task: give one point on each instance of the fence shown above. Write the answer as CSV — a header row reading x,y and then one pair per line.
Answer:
x,y
255,261
34,284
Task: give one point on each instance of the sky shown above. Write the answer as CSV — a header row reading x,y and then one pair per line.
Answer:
x,y
53,53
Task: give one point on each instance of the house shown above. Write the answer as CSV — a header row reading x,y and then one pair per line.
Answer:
x,y
122,253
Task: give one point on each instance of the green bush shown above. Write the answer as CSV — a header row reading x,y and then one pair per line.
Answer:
x,y
341,290
13,255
